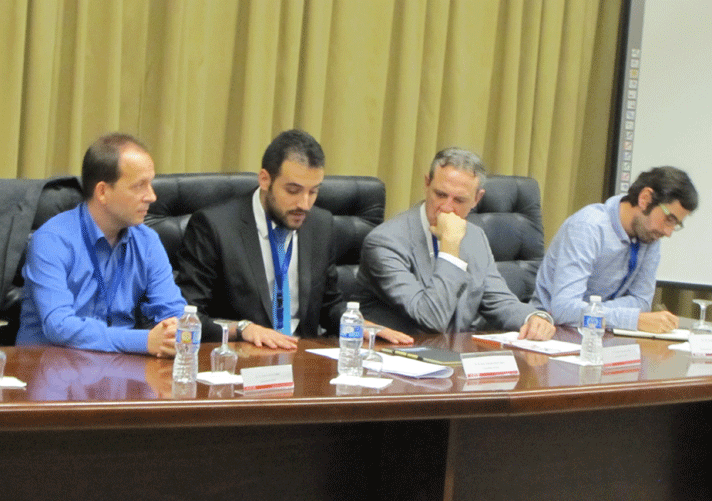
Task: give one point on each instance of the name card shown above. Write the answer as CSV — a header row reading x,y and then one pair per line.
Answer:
x,y
489,364
699,368
618,356
701,345
273,377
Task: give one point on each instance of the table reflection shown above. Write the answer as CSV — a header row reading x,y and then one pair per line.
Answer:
x,y
80,375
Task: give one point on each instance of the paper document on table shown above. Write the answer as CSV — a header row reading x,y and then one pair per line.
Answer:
x,y
550,347
675,335
394,364
11,382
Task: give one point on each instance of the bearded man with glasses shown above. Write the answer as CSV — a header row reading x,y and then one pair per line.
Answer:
x,y
612,250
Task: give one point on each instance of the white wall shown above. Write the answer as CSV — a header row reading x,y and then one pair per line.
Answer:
x,y
672,124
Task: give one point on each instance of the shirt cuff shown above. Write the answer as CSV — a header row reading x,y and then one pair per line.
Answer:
x,y
541,314
129,340
454,260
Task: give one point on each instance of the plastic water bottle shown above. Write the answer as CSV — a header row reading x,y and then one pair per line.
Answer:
x,y
185,366
350,341
593,325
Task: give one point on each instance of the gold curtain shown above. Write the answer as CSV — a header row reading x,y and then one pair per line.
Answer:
x,y
383,84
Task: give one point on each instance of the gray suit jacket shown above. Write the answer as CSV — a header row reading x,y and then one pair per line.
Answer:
x,y
404,290
221,271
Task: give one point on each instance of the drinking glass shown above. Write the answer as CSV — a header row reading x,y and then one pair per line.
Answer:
x,y
372,360
3,359
701,327
223,358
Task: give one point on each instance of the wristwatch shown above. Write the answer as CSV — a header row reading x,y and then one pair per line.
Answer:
x,y
242,325
541,314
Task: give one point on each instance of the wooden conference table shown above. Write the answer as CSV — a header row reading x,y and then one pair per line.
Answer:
x,y
110,426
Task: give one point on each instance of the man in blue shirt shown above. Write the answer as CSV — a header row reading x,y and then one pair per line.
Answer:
x,y
612,250
93,270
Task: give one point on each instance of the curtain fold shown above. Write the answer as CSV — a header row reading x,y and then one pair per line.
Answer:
x,y
383,84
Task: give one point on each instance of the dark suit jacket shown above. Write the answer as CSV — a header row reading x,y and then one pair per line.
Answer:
x,y
221,270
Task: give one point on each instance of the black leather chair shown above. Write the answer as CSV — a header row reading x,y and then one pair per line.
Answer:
x,y
357,202
510,214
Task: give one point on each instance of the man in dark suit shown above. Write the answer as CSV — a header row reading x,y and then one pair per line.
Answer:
x,y
265,259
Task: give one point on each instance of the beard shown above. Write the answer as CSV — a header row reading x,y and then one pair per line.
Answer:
x,y
642,233
281,218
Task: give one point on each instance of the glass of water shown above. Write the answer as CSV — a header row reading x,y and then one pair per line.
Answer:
x,y
701,330
3,359
372,360
223,358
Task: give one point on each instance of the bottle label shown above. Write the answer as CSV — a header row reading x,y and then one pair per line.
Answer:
x,y
188,337
593,322
351,331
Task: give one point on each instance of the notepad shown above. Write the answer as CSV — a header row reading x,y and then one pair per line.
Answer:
x,y
427,354
676,335
397,365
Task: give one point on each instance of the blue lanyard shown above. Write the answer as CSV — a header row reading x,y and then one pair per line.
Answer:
x,y
435,246
118,273
280,271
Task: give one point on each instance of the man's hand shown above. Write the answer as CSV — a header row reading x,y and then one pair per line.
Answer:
x,y
162,338
262,336
394,337
537,329
449,230
658,321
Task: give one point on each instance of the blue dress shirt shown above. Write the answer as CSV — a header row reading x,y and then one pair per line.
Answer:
x,y
62,299
589,256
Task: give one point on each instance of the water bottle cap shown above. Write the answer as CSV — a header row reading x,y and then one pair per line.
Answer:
x,y
352,305
190,309
595,299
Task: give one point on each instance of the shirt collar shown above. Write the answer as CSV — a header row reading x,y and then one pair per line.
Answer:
x,y
95,233
260,220
613,208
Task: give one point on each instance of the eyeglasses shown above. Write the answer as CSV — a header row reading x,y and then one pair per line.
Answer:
x,y
671,219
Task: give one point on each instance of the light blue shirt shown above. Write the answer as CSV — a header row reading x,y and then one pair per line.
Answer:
x,y
589,256
62,302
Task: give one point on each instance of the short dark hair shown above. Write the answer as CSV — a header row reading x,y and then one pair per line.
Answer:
x,y
101,161
460,159
295,145
668,184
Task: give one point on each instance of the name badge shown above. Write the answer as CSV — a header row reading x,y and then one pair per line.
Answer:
x,y
489,364
273,377
618,356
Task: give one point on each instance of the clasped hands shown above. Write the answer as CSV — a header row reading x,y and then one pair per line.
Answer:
x,y
162,338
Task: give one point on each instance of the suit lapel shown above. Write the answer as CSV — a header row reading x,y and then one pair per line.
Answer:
x,y
305,243
251,244
423,263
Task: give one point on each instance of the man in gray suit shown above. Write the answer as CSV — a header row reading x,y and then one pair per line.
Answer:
x,y
428,269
